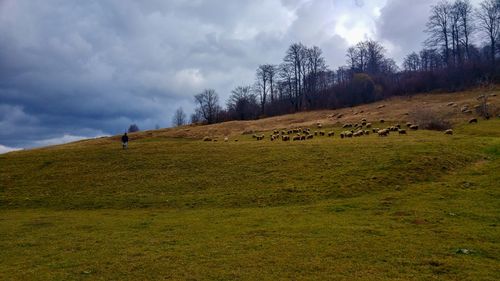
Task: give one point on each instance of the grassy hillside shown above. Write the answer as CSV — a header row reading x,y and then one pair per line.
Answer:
x,y
421,206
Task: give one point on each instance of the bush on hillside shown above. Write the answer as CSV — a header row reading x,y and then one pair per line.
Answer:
x,y
430,120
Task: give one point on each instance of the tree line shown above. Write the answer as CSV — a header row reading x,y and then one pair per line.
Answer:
x,y
450,60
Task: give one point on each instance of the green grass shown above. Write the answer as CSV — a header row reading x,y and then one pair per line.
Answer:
x,y
370,208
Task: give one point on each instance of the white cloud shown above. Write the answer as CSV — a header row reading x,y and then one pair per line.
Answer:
x,y
5,149
66,138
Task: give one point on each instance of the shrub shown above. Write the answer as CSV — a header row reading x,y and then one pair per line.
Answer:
x,y
430,120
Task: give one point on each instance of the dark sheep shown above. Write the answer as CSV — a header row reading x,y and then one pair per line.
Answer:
x,y
402,131
473,120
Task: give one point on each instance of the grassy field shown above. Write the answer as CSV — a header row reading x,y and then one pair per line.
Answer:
x,y
425,206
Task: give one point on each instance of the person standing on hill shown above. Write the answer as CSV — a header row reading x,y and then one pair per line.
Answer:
x,y
125,141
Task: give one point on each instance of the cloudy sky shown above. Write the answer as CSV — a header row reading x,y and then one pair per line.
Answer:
x,y
71,69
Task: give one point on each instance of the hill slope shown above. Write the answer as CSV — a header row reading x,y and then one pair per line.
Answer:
x,y
404,207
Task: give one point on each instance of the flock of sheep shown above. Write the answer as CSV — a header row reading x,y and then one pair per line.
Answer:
x,y
353,130
363,128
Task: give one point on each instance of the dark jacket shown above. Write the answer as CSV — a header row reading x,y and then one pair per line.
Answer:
x,y
124,138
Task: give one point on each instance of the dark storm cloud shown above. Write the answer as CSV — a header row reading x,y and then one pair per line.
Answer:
x,y
402,24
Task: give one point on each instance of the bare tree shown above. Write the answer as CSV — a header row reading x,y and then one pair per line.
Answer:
x,y
438,27
261,85
412,62
242,103
294,59
488,16
133,128
208,105
465,12
179,118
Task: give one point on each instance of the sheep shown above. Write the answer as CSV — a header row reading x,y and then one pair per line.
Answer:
x,y
316,133
302,138
356,125
408,124
368,125
310,137
402,131
296,138
331,134
473,120
363,123
349,134
285,138
448,132
347,125
226,139
342,135
363,120
207,139
414,127
254,136
259,137
450,104
468,111
398,126
322,133
382,120
358,133
367,132
275,132
383,133
340,116
381,106
375,130
319,125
